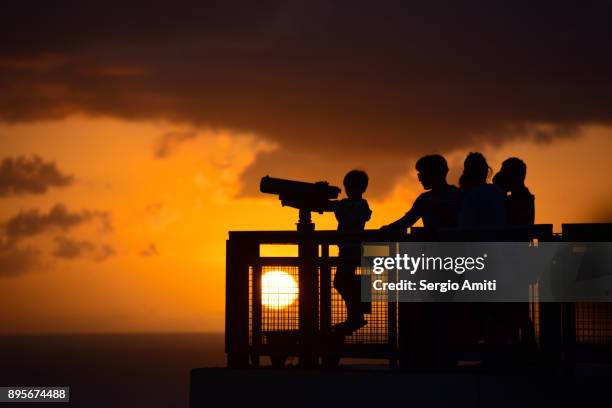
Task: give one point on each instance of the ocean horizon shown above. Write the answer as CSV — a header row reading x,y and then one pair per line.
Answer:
x,y
111,369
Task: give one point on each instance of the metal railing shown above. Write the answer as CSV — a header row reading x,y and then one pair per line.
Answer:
x,y
294,317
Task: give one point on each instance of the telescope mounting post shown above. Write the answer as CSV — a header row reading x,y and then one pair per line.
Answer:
x,y
305,223
308,295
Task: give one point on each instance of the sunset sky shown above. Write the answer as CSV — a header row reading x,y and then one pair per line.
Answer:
x,y
132,138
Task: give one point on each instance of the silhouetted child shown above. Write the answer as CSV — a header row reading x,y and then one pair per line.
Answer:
x,y
483,203
520,204
439,206
352,214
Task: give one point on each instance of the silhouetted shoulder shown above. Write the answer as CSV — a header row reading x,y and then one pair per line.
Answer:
x,y
439,208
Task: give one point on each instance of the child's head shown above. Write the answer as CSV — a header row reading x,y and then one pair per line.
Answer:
x,y
355,183
432,170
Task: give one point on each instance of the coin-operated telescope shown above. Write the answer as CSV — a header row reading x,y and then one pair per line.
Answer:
x,y
306,197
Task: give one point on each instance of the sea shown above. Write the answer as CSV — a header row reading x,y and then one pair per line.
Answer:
x,y
109,370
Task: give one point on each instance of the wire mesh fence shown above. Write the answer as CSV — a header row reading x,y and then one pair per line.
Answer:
x,y
279,311
274,320
593,323
376,331
279,308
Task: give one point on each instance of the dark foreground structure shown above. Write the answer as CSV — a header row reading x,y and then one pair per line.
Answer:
x,y
359,387
566,333
572,347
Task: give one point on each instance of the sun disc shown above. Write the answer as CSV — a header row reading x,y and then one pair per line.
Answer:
x,y
278,289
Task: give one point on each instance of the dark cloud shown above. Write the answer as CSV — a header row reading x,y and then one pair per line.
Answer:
x,y
15,261
150,250
68,248
323,167
29,175
170,140
348,81
33,222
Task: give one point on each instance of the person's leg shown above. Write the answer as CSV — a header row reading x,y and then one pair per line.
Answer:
x,y
342,284
365,281
353,301
349,288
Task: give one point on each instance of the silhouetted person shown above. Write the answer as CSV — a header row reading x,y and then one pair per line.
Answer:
x,y
520,203
437,207
520,209
483,204
352,214
424,334
486,205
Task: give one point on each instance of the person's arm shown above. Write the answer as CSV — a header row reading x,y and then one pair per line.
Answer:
x,y
331,205
411,217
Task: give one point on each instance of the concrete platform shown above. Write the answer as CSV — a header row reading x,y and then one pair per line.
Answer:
x,y
368,386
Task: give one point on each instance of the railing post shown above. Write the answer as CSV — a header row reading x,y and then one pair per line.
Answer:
x,y
392,324
237,254
256,316
325,285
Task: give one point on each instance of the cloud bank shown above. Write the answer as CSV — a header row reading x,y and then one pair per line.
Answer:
x,y
29,175
33,222
17,258
327,81
15,261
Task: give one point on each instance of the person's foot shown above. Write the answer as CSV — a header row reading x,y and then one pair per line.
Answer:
x,y
356,324
340,327
349,326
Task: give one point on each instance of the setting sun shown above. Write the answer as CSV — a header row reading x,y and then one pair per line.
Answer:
x,y
278,289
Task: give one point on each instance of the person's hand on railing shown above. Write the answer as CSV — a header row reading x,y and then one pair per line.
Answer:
x,y
393,227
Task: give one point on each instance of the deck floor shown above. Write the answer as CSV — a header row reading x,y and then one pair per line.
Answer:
x,y
375,386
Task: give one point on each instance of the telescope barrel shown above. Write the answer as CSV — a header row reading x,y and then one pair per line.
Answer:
x,y
306,197
298,189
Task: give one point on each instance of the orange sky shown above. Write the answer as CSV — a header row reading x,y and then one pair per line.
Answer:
x,y
186,203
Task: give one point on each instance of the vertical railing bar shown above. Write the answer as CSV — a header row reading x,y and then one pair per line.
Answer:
x,y
257,314
238,254
325,285
392,312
